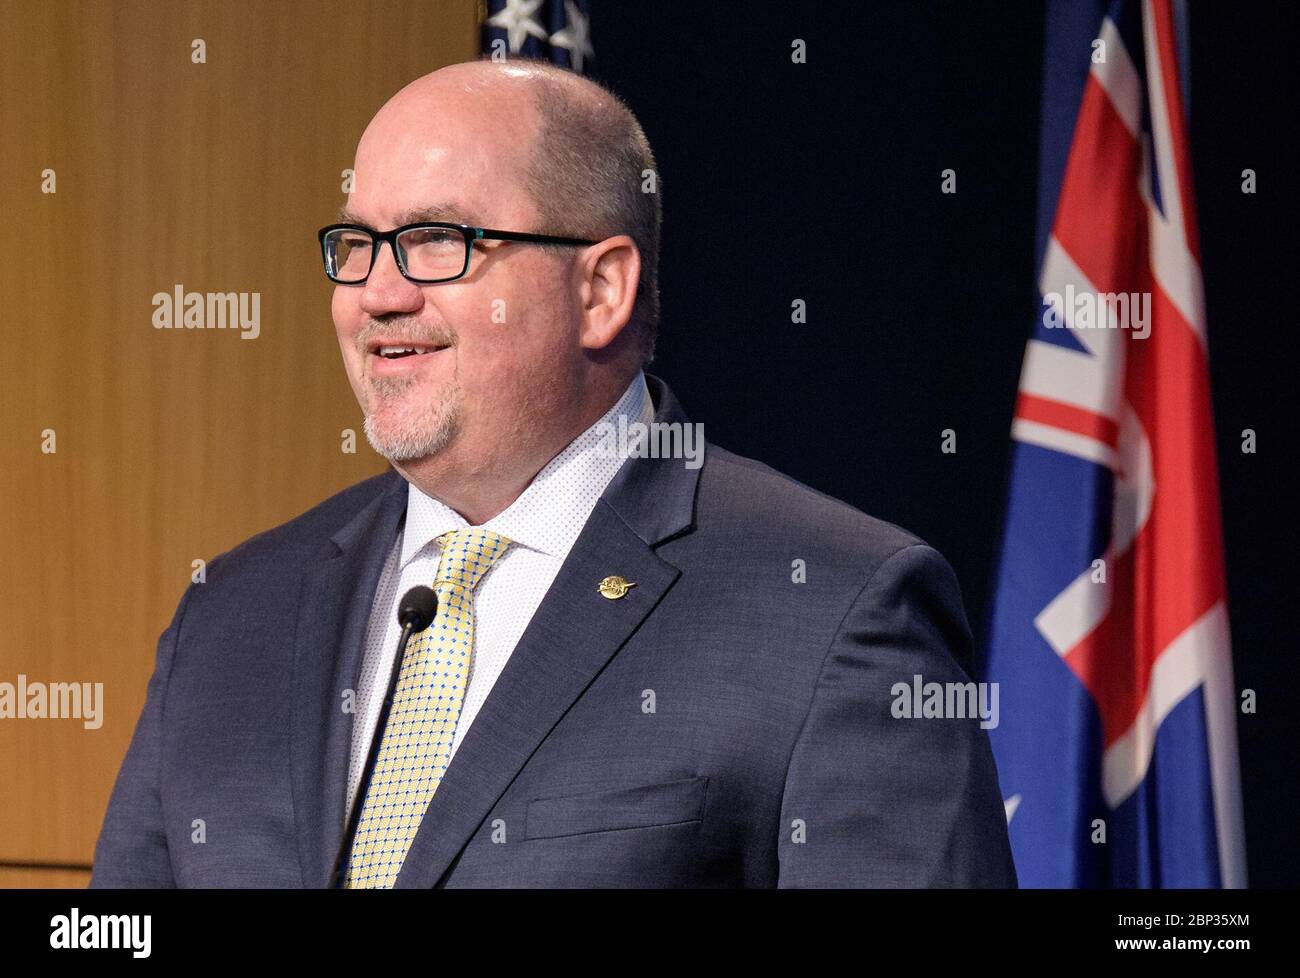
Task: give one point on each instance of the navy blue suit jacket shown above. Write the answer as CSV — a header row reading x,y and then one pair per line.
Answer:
x,y
723,724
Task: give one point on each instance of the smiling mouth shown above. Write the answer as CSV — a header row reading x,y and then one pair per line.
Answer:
x,y
400,351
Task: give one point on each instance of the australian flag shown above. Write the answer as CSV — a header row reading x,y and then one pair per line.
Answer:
x,y
551,30
1117,749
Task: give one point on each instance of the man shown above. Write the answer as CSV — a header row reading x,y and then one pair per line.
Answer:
x,y
641,671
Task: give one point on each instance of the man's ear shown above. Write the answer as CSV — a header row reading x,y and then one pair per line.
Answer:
x,y
608,276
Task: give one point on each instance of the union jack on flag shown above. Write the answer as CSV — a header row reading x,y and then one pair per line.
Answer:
x,y
1117,749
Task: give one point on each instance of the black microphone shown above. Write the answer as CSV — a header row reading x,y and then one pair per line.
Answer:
x,y
415,612
417,609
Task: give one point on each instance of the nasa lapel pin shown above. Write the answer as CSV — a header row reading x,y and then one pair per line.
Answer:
x,y
614,587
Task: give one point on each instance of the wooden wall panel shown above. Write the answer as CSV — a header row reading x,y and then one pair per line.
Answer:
x,y
173,444
43,878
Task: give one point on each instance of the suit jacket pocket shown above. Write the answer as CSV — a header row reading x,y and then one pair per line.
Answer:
x,y
640,807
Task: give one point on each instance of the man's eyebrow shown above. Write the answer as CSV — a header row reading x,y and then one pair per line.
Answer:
x,y
447,213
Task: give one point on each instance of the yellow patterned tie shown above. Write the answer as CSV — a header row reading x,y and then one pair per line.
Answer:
x,y
417,739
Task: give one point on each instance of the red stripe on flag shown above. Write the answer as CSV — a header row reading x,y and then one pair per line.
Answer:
x,y
1058,414
1100,220
1173,572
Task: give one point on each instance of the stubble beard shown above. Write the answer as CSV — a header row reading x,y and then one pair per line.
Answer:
x,y
401,428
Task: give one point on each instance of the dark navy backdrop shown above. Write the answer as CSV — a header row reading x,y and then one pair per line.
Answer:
x,y
822,182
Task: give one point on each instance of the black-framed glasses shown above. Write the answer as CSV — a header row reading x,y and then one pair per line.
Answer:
x,y
429,252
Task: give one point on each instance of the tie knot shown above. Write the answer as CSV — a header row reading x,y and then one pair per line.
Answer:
x,y
467,554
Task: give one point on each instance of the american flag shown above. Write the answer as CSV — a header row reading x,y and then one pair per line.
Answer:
x,y
552,30
1117,749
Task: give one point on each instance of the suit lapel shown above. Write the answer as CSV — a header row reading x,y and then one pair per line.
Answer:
x,y
573,634
335,604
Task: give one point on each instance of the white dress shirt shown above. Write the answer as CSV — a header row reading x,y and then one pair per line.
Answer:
x,y
543,523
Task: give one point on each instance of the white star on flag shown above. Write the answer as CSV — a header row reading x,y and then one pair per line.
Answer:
x,y
517,20
575,36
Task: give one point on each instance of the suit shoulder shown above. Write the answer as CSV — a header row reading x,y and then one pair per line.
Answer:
x,y
305,533
760,500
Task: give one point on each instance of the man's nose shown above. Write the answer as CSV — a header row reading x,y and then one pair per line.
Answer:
x,y
386,289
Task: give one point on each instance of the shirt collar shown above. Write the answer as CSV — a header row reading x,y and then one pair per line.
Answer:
x,y
551,512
